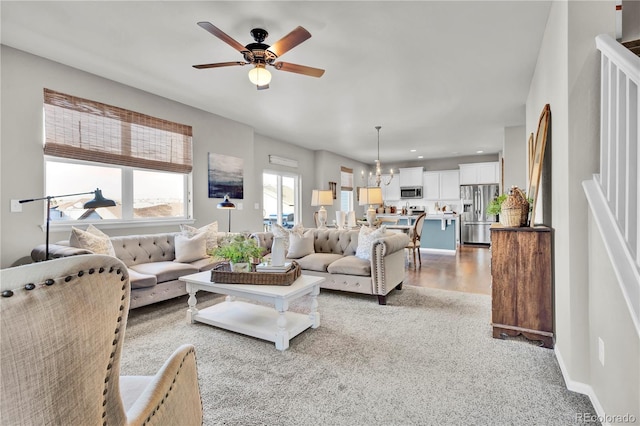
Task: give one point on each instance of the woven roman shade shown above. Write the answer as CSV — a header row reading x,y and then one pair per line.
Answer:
x,y
92,131
346,179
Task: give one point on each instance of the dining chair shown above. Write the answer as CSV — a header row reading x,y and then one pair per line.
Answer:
x,y
415,235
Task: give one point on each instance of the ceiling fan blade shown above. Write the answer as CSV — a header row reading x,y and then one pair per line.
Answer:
x,y
300,69
290,41
219,64
222,36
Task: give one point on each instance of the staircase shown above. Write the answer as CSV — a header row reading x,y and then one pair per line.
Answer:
x,y
633,46
614,193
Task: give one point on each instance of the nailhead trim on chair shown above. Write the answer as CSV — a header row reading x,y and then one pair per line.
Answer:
x,y
50,281
166,395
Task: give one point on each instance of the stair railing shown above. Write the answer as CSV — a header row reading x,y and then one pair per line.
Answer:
x,y
614,193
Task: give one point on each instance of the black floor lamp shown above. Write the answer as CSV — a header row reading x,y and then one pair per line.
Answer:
x,y
227,205
98,201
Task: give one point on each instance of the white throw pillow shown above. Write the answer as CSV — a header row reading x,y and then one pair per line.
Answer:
x,y
92,239
300,245
189,249
211,231
280,232
366,237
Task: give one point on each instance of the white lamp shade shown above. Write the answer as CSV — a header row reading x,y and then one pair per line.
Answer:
x,y
370,195
321,197
260,76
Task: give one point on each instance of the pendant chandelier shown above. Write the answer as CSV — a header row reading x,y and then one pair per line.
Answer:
x,y
379,166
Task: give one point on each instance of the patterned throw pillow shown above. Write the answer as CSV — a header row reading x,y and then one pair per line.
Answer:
x,y
210,230
190,249
280,232
366,237
92,239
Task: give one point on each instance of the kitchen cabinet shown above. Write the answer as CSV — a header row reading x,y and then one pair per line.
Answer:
x,y
479,173
450,185
431,186
411,176
390,192
441,185
521,283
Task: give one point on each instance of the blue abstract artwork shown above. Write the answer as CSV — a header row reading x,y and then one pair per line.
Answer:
x,y
226,176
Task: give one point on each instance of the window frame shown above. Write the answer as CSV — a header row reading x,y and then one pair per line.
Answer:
x,y
297,196
127,221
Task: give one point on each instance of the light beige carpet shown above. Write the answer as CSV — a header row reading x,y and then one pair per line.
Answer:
x,y
426,358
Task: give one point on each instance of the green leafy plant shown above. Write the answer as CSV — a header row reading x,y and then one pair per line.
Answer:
x,y
495,206
239,249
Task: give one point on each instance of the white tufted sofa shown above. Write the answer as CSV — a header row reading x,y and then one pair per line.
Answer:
x,y
150,260
335,260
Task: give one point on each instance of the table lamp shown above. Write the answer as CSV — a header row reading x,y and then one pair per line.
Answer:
x,y
322,197
370,195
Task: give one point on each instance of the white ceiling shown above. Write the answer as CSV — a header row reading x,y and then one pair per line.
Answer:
x,y
441,77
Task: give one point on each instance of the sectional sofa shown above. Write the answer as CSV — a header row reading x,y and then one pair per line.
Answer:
x,y
376,269
151,261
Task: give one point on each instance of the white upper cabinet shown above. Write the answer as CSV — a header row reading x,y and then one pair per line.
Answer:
x,y
442,185
431,187
411,176
450,185
390,192
477,173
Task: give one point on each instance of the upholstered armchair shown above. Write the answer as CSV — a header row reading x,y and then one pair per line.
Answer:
x,y
62,325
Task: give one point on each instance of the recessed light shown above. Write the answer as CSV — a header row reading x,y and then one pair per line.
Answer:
x,y
412,150
479,151
420,156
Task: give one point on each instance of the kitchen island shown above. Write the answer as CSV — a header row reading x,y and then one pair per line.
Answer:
x,y
440,232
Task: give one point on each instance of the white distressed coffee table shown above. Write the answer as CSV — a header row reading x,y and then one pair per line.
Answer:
x,y
263,322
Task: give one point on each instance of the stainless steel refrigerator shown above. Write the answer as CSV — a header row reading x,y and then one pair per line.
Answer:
x,y
474,222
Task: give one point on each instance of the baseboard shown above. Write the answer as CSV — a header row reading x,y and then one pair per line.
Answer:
x,y
580,387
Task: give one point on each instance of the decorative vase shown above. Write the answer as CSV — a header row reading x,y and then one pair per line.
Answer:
x,y
340,219
240,266
277,252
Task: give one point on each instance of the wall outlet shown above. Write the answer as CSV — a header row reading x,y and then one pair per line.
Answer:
x,y
256,206
601,351
16,207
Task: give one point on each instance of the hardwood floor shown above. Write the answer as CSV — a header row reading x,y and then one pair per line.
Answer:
x,y
469,270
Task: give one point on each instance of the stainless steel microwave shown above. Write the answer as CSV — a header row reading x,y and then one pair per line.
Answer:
x,y
410,192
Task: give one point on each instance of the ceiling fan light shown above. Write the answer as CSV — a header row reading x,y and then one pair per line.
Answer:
x,y
260,76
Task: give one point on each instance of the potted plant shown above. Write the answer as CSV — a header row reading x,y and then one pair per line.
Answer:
x,y
241,252
495,206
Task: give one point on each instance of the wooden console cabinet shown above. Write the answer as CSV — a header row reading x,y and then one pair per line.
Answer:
x,y
521,283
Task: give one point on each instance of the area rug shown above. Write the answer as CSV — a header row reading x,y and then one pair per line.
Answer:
x,y
426,358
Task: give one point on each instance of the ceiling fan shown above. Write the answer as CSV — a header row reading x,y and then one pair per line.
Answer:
x,y
260,55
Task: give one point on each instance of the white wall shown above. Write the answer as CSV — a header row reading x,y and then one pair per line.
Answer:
x,y
22,174
567,77
514,156
630,20
328,170
617,382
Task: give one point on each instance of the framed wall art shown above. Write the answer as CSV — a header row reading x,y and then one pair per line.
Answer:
x,y
538,155
226,176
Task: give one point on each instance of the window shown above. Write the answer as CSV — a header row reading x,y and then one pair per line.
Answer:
x,y
346,201
141,162
346,189
280,199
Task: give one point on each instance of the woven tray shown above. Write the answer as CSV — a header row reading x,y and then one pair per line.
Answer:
x,y
223,274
